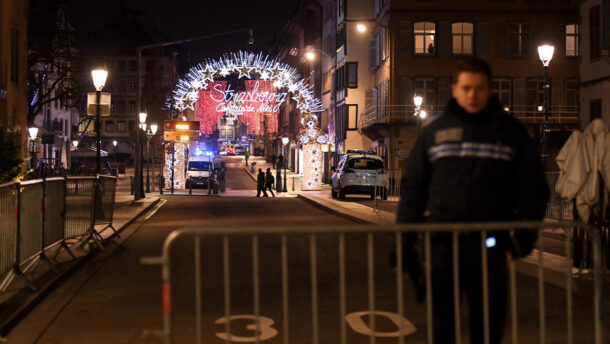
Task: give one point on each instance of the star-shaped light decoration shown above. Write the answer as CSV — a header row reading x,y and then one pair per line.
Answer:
x,y
264,75
244,70
224,71
207,74
277,84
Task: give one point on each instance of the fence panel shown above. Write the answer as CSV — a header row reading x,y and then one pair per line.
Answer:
x,y
452,254
31,203
54,207
105,201
9,196
556,208
394,179
80,193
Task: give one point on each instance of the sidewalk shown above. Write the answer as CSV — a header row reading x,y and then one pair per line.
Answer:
x,y
18,300
555,266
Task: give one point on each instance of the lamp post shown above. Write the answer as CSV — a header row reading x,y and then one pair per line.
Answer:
x,y
139,184
417,101
285,141
114,143
150,133
545,52
33,131
99,80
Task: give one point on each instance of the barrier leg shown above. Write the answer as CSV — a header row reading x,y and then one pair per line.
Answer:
x,y
64,246
113,229
11,275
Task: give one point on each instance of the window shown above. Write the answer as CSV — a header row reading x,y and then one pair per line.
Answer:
x,y
535,94
120,104
327,81
132,106
595,33
109,126
426,88
572,40
340,75
121,127
14,54
462,34
518,39
571,95
223,133
501,88
352,116
595,109
229,133
132,85
352,74
373,57
132,65
424,37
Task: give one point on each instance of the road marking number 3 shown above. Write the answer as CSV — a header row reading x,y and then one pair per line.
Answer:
x,y
354,320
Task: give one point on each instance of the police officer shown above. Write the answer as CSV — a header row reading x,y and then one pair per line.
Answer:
x,y
475,163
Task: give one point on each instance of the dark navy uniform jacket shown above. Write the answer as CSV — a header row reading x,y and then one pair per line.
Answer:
x,y
475,168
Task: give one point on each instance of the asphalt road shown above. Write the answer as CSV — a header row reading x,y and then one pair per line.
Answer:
x,y
112,298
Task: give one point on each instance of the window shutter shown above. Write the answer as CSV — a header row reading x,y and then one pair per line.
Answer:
x,y
406,91
444,93
405,37
444,39
556,92
481,47
372,54
368,98
519,93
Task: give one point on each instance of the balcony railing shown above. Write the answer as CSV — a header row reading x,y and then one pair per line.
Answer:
x,y
406,114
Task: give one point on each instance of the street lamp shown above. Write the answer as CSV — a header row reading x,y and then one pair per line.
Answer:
x,y
150,133
114,143
285,141
33,133
361,27
99,80
139,175
545,52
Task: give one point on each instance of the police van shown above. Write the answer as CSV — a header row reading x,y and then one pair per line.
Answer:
x,y
199,169
359,172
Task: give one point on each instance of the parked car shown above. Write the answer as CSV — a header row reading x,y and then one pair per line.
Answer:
x,y
359,172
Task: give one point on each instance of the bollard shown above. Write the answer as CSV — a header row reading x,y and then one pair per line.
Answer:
x,y
190,185
253,167
278,180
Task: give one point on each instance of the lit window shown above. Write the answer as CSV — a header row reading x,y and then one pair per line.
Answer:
x,y
462,34
425,38
572,40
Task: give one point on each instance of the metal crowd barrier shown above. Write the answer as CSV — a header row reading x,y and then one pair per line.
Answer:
x,y
556,208
428,237
38,215
104,209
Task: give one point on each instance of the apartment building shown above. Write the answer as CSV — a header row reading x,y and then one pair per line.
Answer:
x,y
13,71
417,44
594,87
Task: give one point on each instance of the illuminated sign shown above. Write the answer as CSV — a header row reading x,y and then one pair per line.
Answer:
x,y
180,136
253,100
181,125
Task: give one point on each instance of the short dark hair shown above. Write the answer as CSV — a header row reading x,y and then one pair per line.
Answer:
x,y
472,65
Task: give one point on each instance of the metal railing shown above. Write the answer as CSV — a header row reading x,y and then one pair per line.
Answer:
x,y
406,113
38,215
481,241
557,207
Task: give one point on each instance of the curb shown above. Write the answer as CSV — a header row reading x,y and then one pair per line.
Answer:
x,y
333,211
7,325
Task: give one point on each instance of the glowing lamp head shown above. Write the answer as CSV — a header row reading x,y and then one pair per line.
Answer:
x,y
285,140
361,27
143,126
99,78
417,100
75,143
423,114
142,117
114,143
33,132
310,55
545,52
490,242
153,128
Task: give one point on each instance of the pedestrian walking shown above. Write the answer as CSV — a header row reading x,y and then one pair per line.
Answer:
x,y
280,161
260,184
247,155
475,163
273,159
269,181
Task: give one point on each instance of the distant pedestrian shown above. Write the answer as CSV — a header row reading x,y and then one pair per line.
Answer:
x,y
280,161
475,163
269,181
260,184
247,155
273,159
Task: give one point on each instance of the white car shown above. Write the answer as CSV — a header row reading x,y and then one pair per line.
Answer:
x,y
359,172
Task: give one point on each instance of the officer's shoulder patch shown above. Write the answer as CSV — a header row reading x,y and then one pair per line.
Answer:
x,y
449,135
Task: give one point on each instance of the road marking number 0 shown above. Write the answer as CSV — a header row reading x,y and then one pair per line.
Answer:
x,y
354,320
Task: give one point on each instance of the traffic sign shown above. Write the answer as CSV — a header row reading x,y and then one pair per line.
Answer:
x,y
181,125
181,135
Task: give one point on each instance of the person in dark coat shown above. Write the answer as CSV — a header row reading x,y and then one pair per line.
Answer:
x,y
475,163
260,184
269,181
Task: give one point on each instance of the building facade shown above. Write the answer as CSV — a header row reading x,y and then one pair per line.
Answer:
x,y
417,45
13,72
594,90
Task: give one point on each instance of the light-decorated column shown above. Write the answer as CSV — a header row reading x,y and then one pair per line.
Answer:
x,y
311,138
178,168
